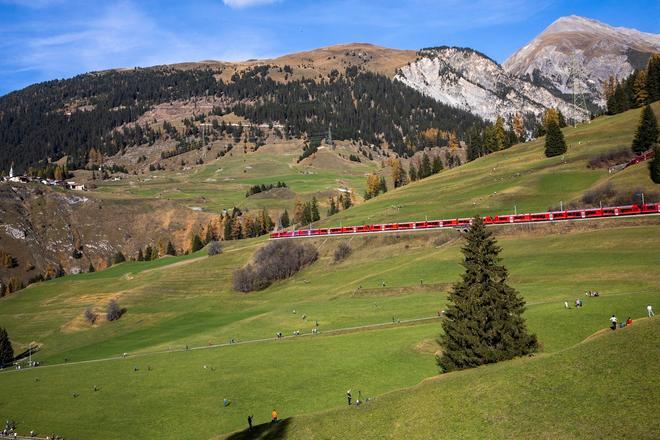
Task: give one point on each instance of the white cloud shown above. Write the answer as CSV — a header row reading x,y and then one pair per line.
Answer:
x,y
240,4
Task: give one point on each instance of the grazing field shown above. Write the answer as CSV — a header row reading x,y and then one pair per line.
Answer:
x,y
190,303
161,389
605,387
222,183
520,178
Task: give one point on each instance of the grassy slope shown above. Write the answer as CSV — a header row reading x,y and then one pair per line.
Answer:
x,y
193,304
222,183
521,176
605,387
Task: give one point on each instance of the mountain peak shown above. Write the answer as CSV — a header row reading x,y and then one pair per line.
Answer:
x,y
592,46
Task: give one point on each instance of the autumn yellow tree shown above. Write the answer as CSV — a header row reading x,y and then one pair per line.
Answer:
x,y
452,141
398,173
550,114
518,126
373,186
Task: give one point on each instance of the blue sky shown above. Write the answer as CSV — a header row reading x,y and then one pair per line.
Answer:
x,y
47,39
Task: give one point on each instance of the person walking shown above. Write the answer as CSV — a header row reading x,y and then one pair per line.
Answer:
x,y
273,416
349,397
649,311
613,322
250,422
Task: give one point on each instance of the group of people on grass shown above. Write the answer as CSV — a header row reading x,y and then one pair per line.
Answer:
x,y
614,322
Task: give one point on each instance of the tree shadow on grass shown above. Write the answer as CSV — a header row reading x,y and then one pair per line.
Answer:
x,y
265,431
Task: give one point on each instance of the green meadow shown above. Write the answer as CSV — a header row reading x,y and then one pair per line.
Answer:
x,y
577,386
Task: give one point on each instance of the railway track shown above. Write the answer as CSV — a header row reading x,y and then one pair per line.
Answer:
x,y
611,212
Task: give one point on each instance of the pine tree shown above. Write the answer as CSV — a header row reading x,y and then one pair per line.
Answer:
x,y
148,251
500,134
412,172
91,269
382,187
170,249
436,166
425,167
140,256
209,237
484,322
332,210
554,140
647,131
314,210
654,165
653,78
6,350
118,258
284,220
347,202
196,243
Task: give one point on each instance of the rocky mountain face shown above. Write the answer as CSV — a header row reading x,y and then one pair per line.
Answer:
x,y
45,229
471,81
594,50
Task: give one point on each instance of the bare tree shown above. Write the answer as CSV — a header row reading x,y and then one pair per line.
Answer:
x,y
89,315
342,251
277,260
214,248
114,311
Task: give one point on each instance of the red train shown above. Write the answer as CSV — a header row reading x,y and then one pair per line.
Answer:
x,y
578,214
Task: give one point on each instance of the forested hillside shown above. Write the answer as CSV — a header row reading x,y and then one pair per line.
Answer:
x,y
70,117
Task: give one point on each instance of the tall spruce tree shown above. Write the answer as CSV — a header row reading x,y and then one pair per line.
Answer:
x,y
554,140
284,220
654,165
170,249
483,322
653,78
314,210
647,131
196,243
6,350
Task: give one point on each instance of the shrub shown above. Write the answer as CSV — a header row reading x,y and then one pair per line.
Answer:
x,y
118,258
89,315
610,158
114,311
342,251
214,248
277,260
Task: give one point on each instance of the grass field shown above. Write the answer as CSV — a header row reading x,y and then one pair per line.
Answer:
x,y
519,178
163,391
191,304
606,387
222,183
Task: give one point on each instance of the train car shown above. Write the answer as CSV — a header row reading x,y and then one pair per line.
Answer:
x,y
576,214
629,210
540,217
651,208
